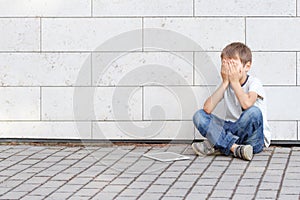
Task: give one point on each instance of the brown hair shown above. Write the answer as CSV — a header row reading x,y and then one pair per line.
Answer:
x,y
237,49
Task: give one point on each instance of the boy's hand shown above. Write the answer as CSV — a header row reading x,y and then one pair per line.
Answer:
x,y
225,71
234,72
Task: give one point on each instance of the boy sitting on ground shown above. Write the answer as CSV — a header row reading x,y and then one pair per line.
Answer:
x,y
245,130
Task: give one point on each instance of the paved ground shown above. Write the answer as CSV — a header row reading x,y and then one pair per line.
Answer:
x,y
121,172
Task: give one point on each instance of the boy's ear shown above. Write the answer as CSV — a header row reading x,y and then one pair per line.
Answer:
x,y
247,66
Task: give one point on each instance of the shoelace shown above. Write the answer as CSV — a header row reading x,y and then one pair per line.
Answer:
x,y
239,152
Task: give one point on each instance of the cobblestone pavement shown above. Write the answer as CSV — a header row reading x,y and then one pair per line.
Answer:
x,y
121,172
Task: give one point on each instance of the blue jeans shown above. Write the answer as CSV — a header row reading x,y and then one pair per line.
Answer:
x,y
248,129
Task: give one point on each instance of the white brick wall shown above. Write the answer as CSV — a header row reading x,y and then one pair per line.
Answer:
x,y
102,69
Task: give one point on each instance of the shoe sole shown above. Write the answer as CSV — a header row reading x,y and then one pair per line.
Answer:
x,y
248,150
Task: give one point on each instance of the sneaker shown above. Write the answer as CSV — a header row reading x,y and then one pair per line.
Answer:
x,y
244,152
204,148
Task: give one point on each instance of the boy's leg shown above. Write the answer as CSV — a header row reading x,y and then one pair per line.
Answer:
x,y
249,129
214,129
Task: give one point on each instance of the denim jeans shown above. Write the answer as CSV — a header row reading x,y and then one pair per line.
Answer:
x,y
248,129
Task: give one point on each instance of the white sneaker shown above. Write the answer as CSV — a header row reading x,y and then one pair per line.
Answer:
x,y
204,148
244,152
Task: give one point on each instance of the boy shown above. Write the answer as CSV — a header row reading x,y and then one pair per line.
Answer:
x,y
245,130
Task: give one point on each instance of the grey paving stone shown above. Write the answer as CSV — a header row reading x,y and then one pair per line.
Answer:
x,y
255,169
207,181
150,196
278,166
18,167
58,195
176,193
31,197
22,176
114,188
139,185
104,195
193,196
176,168
221,194
221,162
171,198
147,177
37,180
202,189
266,194
279,150
8,173
53,184
121,181
26,187
10,183
62,177
157,189
225,185
79,181
291,169
66,162
290,190
292,176
42,191
48,173
69,188
86,192
125,198
42,165
230,178
184,185
249,182
289,197
130,192
269,186
211,175
105,178
13,195
188,178
291,183
4,190
164,181
272,178
237,172
252,175
245,190
96,184
242,196
216,169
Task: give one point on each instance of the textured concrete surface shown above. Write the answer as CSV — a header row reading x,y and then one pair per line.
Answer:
x,y
121,172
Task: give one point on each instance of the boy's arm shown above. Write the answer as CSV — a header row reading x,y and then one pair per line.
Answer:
x,y
246,99
212,101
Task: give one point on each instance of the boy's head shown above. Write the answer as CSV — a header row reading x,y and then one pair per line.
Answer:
x,y
237,50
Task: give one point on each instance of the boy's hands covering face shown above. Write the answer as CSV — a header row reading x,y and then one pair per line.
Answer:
x,y
230,71
234,71
225,71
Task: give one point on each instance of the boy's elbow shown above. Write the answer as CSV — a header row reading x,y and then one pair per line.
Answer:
x,y
246,105
207,109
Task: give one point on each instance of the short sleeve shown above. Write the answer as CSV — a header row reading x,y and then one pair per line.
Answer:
x,y
256,86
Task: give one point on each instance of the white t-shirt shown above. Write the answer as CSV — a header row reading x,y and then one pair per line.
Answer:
x,y
234,108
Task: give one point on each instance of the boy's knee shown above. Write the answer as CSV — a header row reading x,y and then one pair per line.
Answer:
x,y
253,113
198,117
200,120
